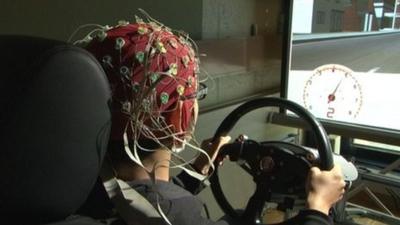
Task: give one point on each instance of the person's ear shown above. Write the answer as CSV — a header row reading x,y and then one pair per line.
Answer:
x,y
176,118
195,112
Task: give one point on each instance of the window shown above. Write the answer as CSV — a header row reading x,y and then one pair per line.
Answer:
x,y
336,20
320,17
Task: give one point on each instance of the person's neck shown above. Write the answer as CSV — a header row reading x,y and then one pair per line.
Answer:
x,y
156,165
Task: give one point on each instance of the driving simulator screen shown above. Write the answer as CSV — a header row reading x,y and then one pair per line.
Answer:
x,y
344,61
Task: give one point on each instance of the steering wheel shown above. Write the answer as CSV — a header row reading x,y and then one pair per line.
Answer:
x,y
269,160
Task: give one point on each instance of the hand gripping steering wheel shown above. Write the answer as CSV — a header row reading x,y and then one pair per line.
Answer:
x,y
253,154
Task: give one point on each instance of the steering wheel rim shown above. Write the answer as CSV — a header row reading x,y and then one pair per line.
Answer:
x,y
321,137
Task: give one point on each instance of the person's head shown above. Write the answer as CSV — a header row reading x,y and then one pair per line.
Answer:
x,y
153,75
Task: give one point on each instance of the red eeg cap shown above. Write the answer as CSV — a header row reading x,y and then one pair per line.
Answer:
x,y
122,51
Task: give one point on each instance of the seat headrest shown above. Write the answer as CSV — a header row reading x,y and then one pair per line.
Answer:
x,y
54,127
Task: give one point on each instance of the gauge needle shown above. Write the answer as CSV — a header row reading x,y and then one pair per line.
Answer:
x,y
332,96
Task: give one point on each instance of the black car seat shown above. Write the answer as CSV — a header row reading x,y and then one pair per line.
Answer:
x,y
54,128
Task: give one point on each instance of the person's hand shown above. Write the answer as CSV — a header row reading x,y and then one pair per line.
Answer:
x,y
325,188
202,164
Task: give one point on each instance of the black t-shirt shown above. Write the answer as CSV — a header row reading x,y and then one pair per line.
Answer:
x,y
183,208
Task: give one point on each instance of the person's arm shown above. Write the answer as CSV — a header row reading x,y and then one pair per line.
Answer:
x,y
325,188
202,165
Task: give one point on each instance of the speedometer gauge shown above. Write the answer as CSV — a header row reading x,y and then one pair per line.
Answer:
x,y
333,92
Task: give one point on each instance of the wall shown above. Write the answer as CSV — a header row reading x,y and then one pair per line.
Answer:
x,y
227,18
57,19
235,18
240,63
237,68
268,16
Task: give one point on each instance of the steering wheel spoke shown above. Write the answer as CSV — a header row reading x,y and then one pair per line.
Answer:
x,y
256,203
246,168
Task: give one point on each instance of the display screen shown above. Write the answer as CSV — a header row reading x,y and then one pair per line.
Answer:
x,y
344,61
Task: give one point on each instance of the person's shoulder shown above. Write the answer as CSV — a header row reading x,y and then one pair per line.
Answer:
x,y
173,191
179,205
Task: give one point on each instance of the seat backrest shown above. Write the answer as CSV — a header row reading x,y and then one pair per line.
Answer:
x,y
54,128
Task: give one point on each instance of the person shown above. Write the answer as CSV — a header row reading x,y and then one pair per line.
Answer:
x,y
154,78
